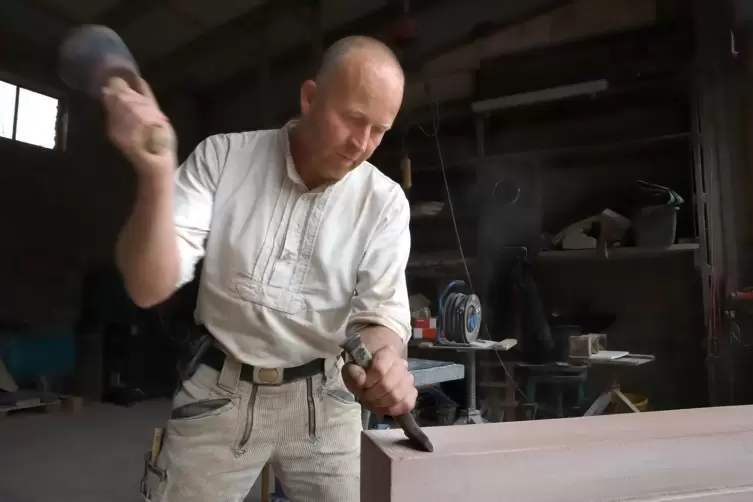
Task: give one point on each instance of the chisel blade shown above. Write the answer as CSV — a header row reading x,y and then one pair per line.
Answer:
x,y
361,356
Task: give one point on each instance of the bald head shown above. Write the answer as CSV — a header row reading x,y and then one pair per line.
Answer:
x,y
359,50
347,110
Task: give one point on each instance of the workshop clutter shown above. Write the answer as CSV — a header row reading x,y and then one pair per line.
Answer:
x,y
458,317
34,367
655,219
434,407
646,216
31,354
425,329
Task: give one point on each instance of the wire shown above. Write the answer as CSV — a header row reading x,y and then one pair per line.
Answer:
x,y
435,135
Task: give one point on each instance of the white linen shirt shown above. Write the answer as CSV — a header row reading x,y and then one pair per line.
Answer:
x,y
286,269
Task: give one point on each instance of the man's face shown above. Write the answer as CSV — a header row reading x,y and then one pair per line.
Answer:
x,y
350,114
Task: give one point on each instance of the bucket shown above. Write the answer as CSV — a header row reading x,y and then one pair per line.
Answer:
x,y
655,226
639,401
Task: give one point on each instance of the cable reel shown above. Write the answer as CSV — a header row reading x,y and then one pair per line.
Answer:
x,y
459,319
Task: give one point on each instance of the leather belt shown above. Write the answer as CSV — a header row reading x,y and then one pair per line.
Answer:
x,y
215,358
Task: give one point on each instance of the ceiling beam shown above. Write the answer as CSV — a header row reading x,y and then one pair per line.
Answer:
x,y
120,16
28,63
240,82
126,13
372,24
54,11
163,72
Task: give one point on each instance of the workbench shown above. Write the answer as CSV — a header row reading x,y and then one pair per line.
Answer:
x,y
426,372
612,393
471,413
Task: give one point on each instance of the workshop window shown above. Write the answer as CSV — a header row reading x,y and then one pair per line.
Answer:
x,y
28,116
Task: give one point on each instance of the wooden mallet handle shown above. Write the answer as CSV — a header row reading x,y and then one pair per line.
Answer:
x,y
157,138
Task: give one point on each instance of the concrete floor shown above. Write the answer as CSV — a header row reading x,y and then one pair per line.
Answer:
x,y
38,462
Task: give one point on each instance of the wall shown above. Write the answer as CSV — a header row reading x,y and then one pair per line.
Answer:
x,y
60,212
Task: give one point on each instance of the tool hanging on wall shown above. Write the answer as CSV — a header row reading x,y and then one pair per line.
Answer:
x,y
93,57
459,319
405,168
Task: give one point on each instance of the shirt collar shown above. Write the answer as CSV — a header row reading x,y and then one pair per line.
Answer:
x,y
290,168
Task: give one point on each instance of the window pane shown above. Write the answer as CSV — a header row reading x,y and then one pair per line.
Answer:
x,y
7,109
37,115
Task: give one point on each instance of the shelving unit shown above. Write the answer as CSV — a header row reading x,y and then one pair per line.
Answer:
x,y
453,260
618,253
571,159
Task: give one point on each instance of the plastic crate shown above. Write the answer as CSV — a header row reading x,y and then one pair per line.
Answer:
x,y
29,356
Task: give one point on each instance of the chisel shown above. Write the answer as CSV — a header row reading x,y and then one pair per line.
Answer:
x,y
361,356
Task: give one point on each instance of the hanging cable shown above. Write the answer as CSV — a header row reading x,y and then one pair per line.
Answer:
x,y
435,134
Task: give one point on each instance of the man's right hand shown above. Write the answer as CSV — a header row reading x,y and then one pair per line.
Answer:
x,y
131,113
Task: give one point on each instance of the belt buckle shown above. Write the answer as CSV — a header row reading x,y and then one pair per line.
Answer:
x,y
268,376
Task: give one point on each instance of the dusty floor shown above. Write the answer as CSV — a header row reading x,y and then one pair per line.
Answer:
x,y
90,456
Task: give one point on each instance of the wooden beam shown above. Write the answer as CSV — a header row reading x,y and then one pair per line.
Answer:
x,y
371,24
163,72
54,11
374,24
126,13
118,17
623,57
34,64
489,27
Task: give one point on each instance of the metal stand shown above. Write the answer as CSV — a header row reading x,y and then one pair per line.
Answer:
x,y
471,415
613,395
425,372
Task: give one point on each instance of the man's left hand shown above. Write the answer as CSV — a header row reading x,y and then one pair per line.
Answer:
x,y
386,388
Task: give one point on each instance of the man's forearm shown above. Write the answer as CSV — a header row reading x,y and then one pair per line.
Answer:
x,y
376,337
147,251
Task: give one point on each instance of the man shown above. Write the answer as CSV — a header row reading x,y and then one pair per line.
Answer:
x,y
305,241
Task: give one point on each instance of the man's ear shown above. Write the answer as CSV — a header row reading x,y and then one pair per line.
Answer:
x,y
308,94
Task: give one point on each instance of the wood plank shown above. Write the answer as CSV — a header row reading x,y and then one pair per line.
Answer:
x,y
697,454
32,405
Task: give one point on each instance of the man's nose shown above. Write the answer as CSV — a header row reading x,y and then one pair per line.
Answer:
x,y
360,139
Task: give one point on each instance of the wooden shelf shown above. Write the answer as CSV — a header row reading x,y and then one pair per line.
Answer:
x,y
618,253
439,259
452,259
639,144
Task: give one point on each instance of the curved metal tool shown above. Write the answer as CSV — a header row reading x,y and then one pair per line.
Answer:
x,y
361,356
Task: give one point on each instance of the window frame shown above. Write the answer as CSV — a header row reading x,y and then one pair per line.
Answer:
x,y
61,121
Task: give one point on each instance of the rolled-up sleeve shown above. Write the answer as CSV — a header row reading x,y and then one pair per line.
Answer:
x,y
195,185
381,291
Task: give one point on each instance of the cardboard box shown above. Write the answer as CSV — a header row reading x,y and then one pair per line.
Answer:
x,y
425,329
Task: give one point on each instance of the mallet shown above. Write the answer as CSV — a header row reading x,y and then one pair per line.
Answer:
x,y
93,57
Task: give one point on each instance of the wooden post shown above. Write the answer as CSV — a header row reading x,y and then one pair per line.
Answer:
x,y
265,483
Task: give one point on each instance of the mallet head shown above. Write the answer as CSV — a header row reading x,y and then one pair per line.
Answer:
x,y
91,56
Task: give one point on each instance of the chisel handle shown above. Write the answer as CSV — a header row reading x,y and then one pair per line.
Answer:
x,y
361,356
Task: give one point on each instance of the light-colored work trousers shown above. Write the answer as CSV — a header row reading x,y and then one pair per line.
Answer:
x,y
308,430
